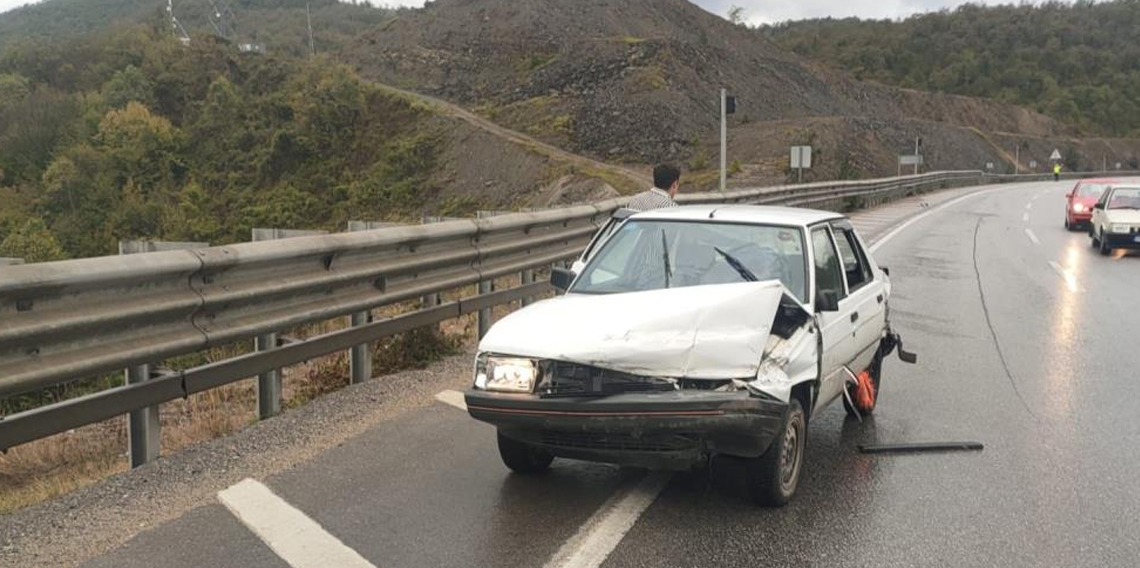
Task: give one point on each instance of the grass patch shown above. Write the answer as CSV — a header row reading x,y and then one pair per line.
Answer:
x,y
535,62
632,40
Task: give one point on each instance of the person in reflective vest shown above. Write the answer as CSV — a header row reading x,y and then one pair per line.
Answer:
x,y
1057,171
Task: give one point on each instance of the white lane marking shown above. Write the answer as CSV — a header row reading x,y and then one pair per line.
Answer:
x,y
1035,196
1032,237
886,238
1029,206
454,398
1068,277
590,546
1025,217
296,538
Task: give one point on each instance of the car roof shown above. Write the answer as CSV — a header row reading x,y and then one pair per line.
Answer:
x,y
756,214
1098,180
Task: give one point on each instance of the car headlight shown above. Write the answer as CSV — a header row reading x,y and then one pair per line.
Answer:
x,y
505,374
1117,228
1078,208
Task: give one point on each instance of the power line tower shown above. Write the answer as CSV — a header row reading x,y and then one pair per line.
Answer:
x,y
179,31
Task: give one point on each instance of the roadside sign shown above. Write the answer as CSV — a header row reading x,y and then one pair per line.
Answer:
x,y
907,160
1056,156
1033,164
989,165
1118,164
801,157
730,105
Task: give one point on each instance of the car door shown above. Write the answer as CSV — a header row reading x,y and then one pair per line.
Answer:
x,y
836,328
866,294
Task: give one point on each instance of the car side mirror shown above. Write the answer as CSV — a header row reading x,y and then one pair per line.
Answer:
x,y
826,301
1098,206
885,270
1069,195
562,278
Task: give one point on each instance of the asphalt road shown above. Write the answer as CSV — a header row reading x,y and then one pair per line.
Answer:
x,y
1028,343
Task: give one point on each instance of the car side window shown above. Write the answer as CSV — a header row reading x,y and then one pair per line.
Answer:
x,y
828,270
855,265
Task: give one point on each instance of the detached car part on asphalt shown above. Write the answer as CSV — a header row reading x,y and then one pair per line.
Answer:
x,y
689,333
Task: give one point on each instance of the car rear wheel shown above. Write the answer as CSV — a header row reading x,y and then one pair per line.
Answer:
x,y
858,403
523,458
773,477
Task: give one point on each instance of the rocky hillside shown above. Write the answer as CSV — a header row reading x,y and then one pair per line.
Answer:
x,y
637,80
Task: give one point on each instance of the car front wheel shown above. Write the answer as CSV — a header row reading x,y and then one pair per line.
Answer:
x,y
523,458
1105,248
773,477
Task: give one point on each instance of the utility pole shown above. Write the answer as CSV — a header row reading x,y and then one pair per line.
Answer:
x,y
723,138
309,17
917,145
1017,159
1104,163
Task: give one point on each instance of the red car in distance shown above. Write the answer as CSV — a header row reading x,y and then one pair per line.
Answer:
x,y
1079,202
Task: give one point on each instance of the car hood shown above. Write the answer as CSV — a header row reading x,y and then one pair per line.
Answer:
x,y
699,332
1130,216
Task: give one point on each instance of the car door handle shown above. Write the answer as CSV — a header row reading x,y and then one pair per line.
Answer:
x,y
854,317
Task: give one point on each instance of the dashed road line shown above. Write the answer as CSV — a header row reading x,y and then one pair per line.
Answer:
x,y
1067,276
291,534
1032,236
1025,217
594,542
1029,206
453,398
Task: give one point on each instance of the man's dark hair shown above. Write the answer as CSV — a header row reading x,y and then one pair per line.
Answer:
x,y
665,175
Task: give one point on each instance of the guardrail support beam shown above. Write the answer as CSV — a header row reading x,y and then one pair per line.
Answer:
x,y
486,315
360,362
527,277
269,382
143,427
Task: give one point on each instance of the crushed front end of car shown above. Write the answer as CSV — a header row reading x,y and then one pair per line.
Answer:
x,y
660,379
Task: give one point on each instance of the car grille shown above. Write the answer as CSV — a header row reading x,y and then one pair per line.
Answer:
x,y
570,379
618,442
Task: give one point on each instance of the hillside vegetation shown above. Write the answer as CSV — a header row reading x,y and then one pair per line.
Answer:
x,y
132,135
280,25
1074,62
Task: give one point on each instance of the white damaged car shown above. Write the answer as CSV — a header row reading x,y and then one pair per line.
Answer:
x,y
690,333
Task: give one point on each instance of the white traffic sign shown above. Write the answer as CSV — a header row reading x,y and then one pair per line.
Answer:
x,y
1033,163
910,160
1056,155
801,157
989,165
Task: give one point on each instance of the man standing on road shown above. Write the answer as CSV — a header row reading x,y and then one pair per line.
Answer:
x,y
666,183
1057,171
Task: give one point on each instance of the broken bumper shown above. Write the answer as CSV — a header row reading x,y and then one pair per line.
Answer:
x,y
669,430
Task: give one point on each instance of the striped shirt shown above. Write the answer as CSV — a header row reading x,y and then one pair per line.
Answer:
x,y
651,199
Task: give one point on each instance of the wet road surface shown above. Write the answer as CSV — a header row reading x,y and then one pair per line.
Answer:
x,y
1029,342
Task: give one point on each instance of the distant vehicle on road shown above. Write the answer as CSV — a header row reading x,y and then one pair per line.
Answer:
x,y
1079,202
692,333
1116,219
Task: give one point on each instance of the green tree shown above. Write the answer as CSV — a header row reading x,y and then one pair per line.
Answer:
x,y
32,242
128,85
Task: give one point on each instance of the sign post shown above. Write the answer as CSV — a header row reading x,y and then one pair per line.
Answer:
x,y
801,160
727,107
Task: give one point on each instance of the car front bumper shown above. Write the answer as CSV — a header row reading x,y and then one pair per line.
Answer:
x,y
1123,240
667,430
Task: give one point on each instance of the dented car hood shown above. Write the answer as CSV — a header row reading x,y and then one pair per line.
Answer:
x,y
699,332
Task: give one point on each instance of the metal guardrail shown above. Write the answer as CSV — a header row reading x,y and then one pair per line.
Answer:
x,y
63,321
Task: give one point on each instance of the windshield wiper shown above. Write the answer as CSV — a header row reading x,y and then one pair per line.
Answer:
x,y
738,266
665,257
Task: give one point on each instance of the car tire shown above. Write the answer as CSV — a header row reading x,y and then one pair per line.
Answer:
x,y
523,458
1068,225
876,370
1092,235
1105,249
773,477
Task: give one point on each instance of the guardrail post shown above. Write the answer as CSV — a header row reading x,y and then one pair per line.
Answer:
x,y
527,277
269,382
144,431
486,314
360,362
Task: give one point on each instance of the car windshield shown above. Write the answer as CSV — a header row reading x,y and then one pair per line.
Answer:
x,y
1091,190
1128,198
651,255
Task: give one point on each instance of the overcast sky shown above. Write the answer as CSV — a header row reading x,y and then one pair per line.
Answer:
x,y
763,11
